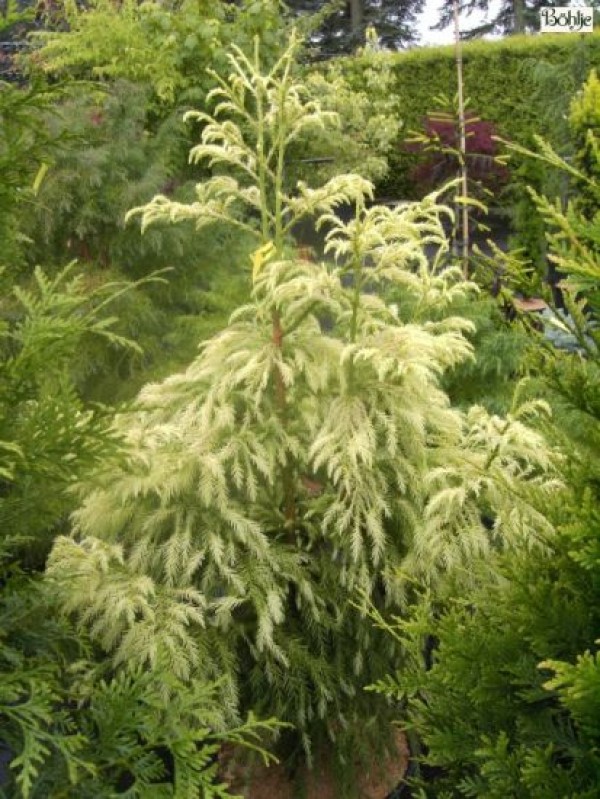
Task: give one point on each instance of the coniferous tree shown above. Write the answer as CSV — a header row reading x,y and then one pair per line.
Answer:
x,y
289,470
341,27
511,17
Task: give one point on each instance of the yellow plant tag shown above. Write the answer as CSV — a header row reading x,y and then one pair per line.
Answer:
x,y
41,174
260,257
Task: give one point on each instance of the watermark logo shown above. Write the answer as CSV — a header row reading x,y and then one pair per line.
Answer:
x,y
564,19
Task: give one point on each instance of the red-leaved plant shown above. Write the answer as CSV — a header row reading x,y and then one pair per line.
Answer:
x,y
438,146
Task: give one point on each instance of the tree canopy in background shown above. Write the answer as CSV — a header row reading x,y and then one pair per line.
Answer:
x,y
341,27
504,19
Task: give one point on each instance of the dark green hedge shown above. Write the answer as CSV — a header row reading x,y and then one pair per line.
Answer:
x,y
496,82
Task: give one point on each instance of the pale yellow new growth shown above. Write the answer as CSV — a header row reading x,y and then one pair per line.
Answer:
x,y
191,537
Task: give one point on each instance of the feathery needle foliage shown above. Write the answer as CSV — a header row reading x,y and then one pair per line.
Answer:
x,y
70,725
290,467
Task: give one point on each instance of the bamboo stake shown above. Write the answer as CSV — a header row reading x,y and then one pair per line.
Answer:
x,y
462,149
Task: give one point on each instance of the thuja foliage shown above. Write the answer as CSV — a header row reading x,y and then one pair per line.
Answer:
x,y
584,122
73,727
42,420
70,723
510,704
488,715
290,470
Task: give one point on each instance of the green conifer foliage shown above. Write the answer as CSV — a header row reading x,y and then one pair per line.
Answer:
x,y
511,703
584,121
290,469
70,724
26,147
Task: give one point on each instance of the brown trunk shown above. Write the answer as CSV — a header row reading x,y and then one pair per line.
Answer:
x,y
519,16
356,15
